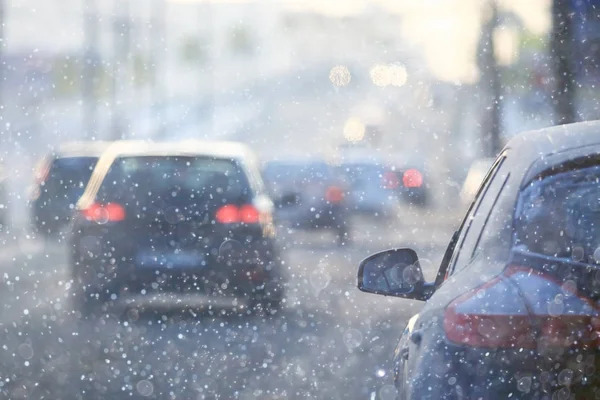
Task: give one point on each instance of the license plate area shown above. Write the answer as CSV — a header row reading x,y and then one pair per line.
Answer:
x,y
170,259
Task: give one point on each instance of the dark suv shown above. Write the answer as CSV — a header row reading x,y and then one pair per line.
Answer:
x,y
61,178
176,218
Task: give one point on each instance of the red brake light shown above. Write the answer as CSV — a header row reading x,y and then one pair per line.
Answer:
x,y
231,214
249,214
478,319
334,195
412,178
111,212
228,214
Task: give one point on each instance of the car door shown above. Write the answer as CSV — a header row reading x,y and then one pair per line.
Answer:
x,y
462,242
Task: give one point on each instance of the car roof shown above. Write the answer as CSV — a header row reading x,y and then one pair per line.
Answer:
x,y
222,149
82,148
533,145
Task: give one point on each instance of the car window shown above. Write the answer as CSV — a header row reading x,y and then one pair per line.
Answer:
x,y
146,179
475,218
67,177
558,216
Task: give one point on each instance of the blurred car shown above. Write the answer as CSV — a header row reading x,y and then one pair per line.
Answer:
x,y
514,310
175,218
408,178
308,195
60,179
475,176
370,191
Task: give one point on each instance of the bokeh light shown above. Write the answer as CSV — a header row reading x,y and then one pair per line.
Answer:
x,y
340,75
354,130
384,75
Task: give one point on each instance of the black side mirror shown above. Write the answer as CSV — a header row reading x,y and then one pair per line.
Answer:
x,y
394,272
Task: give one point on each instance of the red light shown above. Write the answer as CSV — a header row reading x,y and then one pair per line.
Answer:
x,y
412,178
111,212
390,180
231,214
478,319
334,195
249,214
228,214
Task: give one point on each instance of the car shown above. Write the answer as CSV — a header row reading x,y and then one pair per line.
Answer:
x,y
369,191
408,177
475,176
514,310
60,179
308,195
175,219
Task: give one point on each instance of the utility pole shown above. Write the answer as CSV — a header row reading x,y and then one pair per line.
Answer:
x,y
490,77
159,56
90,105
562,45
121,56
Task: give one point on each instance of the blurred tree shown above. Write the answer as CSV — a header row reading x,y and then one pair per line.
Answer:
x,y
241,40
562,48
194,51
66,76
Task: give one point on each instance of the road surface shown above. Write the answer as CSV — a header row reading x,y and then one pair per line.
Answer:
x,y
330,341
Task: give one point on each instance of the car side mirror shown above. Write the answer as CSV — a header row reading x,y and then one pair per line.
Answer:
x,y
394,272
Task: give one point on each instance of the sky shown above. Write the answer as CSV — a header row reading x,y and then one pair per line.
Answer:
x,y
447,31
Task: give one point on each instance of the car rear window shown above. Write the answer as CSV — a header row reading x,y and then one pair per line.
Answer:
x,y
559,216
174,179
359,175
297,173
68,176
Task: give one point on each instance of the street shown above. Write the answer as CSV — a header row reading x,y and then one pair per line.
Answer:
x,y
330,341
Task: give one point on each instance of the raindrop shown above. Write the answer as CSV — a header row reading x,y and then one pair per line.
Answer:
x,y
145,388
565,377
578,253
388,392
25,350
319,279
353,338
524,384
569,288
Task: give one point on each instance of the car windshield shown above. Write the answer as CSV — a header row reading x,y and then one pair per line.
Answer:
x,y
144,180
559,216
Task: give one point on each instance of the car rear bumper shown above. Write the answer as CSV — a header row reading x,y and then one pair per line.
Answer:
x,y
113,265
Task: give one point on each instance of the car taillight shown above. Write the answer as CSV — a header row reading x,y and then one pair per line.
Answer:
x,y
110,212
412,178
390,180
497,315
334,195
249,214
232,214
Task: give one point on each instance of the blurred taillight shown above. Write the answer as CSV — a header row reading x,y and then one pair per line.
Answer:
x,y
249,214
232,214
334,195
110,212
495,315
390,180
412,178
